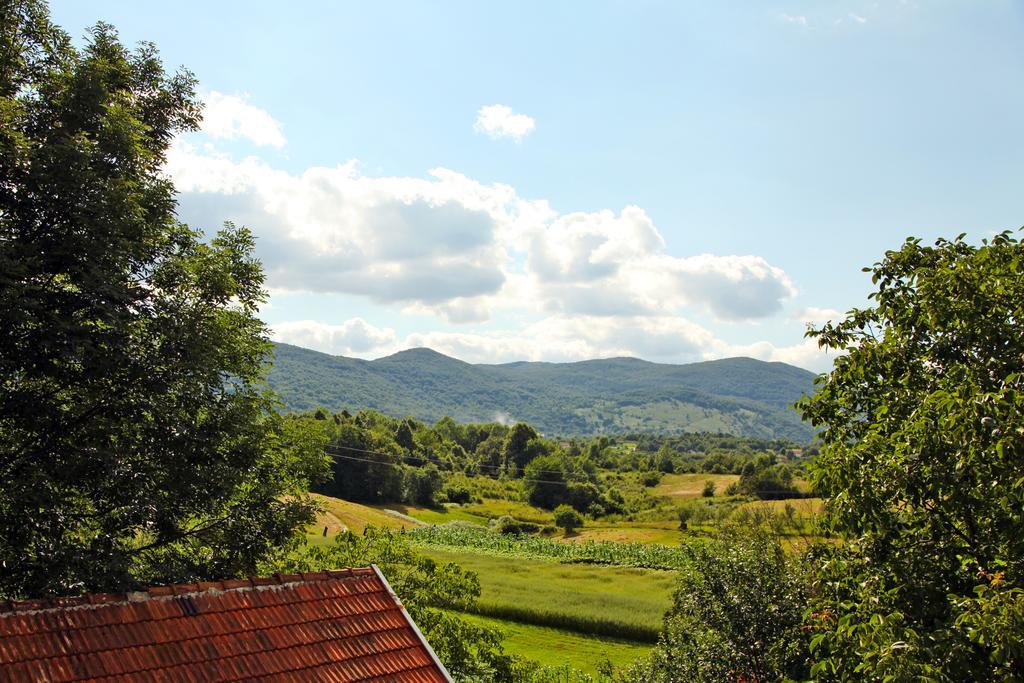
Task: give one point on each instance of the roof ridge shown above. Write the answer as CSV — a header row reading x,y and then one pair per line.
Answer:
x,y
9,607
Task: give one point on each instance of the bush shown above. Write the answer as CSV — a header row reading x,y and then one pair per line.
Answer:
x,y
511,526
709,489
458,493
651,478
567,518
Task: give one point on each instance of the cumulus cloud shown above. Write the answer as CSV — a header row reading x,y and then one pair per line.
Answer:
x,y
454,247
229,116
499,121
812,315
352,337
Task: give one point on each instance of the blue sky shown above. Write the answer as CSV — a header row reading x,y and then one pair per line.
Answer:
x,y
556,181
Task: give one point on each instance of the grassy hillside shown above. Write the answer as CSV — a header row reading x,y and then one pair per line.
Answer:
x,y
616,395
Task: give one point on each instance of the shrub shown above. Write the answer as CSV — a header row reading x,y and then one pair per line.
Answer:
x,y
567,518
650,478
458,493
511,525
709,489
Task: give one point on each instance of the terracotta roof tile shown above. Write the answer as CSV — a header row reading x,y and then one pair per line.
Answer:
x,y
341,625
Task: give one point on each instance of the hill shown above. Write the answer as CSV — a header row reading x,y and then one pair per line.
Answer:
x,y
614,395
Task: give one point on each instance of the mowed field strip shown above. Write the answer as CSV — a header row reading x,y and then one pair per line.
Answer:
x,y
621,602
558,647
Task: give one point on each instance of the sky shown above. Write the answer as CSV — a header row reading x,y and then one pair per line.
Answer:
x,y
557,181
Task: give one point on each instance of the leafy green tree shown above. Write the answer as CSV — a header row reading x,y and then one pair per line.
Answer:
x,y
545,481
922,460
522,444
422,484
736,616
709,489
366,467
664,460
137,441
567,518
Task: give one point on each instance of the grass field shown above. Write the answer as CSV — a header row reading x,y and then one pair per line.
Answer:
x,y
621,602
683,486
442,515
340,515
556,647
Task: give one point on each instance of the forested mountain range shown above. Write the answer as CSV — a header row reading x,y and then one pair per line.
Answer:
x,y
739,396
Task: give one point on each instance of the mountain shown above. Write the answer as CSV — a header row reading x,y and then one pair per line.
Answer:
x,y
739,396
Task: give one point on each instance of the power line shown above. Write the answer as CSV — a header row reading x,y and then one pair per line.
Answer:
x,y
398,465
436,461
413,457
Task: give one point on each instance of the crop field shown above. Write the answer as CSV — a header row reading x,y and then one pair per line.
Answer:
x,y
622,602
557,647
639,555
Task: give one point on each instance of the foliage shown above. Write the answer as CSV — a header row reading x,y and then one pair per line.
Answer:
x,y
736,616
709,489
511,526
922,459
137,442
422,484
567,518
766,479
609,396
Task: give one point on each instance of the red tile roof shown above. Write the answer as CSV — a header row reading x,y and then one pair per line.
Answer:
x,y
343,625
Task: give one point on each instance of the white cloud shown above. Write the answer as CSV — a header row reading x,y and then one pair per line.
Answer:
x,y
228,116
812,315
806,354
352,337
499,121
454,247
798,19
857,18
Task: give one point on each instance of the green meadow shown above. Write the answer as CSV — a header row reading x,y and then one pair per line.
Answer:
x,y
621,602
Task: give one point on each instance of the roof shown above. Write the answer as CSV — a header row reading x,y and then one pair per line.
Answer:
x,y
345,625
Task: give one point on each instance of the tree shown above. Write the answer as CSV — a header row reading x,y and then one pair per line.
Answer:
x,y
709,489
422,484
922,460
366,468
736,616
567,518
522,444
545,481
137,441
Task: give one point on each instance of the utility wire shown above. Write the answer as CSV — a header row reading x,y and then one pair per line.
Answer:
x,y
414,457
398,465
436,461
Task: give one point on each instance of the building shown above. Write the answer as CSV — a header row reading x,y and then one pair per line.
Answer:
x,y
345,625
